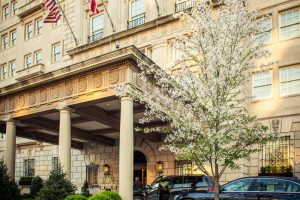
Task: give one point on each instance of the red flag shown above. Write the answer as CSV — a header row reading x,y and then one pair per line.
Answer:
x,y
93,7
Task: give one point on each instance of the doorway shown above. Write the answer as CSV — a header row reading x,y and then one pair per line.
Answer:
x,y
140,169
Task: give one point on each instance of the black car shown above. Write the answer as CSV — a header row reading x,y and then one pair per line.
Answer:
x,y
253,188
166,188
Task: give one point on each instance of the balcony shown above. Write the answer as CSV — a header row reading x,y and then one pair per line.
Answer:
x,y
30,72
30,7
137,20
184,5
97,35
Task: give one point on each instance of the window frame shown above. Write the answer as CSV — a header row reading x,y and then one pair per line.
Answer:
x,y
54,163
5,15
27,36
4,38
53,52
38,29
29,167
280,26
36,61
14,7
12,71
280,81
94,170
13,41
26,66
101,30
252,86
4,71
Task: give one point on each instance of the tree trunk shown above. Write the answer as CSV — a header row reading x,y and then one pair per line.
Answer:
x,y
217,188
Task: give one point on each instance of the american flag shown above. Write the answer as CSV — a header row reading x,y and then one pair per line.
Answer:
x,y
54,13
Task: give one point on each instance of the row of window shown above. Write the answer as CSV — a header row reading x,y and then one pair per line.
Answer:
x,y
8,70
9,10
29,166
289,82
33,28
9,40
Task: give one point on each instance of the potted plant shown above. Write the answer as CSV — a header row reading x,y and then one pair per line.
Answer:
x,y
274,169
25,180
282,169
263,170
268,169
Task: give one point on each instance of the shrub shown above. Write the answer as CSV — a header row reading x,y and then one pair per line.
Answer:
x,y
85,189
76,197
107,195
57,187
8,187
36,186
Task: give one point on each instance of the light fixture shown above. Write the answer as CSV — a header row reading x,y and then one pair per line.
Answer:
x,y
159,167
190,169
106,169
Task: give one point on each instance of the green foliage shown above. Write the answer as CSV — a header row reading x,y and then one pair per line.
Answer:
x,y
85,189
263,169
36,186
107,195
57,187
289,168
8,188
76,197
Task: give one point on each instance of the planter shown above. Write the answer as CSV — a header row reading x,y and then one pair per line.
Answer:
x,y
25,181
283,174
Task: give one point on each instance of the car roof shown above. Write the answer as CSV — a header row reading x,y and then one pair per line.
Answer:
x,y
180,176
294,179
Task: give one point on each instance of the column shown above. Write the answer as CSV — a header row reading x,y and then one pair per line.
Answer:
x,y
64,146
126,149
10,146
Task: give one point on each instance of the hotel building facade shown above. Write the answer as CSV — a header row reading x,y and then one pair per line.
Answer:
x,y
56,101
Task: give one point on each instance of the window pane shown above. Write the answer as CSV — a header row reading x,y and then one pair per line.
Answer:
x,y
240,185
289,24
262,85
138,7
290,80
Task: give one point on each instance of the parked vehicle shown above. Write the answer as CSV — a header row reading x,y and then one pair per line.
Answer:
x,y
253,188
166,188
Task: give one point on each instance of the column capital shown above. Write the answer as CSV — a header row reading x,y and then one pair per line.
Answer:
x,y
8,118
63,106
126,98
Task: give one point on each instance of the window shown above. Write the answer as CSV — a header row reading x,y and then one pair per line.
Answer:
x,y
173,52
38,57
96,28
289,80
277,153
238,186
2,136
92,174
4,72
29,31
13,38
274,185
4,40
14,7
289,24
262,85
56,52
29,168
55,163
137,13
5,11
28,61
266,35
38,26
12,68
183,167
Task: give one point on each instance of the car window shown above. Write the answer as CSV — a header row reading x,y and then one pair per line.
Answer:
x,y
269,185
292,187
239,185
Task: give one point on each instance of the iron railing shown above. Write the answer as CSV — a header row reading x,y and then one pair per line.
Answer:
x,y
97,35
137,20
184,5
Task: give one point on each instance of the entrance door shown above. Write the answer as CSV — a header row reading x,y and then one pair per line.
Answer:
x,y
140,170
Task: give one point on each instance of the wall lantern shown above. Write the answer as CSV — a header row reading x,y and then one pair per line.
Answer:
x,y
106,169
159,167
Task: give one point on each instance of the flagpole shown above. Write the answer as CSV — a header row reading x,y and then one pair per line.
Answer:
x,y
112,24
75,39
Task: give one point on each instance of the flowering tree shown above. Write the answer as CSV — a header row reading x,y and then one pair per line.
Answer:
x,y
204,95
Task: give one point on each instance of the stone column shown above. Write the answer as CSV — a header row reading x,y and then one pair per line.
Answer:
x,y
10,146
64,146
126,150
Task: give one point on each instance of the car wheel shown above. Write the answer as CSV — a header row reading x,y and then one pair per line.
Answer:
x,y
138,198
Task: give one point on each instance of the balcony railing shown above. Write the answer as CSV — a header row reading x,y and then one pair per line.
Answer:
x,y
29,8
96,36
184,5
30,72
138,20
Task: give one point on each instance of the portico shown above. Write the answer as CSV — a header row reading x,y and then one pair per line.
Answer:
x,y
77,109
